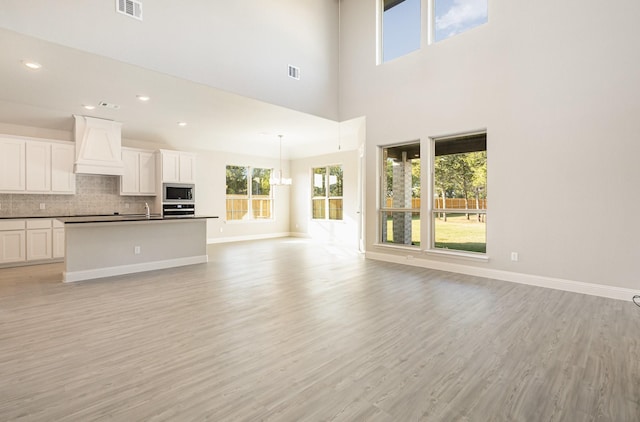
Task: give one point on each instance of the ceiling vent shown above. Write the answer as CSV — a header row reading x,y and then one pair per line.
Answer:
x,y
130,8
109,105
294,72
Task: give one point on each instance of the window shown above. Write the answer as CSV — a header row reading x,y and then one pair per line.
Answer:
x,y
400,23
400,28
327,193
460,193
400,196
453,17
248,201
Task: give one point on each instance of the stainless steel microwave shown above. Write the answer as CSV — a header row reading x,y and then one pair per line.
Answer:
x,y
178,192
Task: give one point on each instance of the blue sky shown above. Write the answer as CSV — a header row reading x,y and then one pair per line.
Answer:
x,y
401,30
455,16
401,23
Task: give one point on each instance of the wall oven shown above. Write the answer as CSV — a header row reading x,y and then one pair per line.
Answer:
x,y
178,193
178,210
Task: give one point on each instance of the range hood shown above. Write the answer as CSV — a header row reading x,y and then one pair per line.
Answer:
x,y
98,146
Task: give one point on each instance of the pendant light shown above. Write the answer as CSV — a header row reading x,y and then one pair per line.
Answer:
x,y
277,179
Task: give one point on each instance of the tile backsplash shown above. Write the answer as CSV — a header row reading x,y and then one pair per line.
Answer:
x,y
94,195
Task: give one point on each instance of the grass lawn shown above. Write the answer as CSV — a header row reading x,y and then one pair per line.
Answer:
x,y
461,234
457,233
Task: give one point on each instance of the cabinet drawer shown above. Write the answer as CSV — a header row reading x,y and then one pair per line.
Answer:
x,y
40,223
12,224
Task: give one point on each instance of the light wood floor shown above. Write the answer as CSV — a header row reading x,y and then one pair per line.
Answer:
x,y
288,330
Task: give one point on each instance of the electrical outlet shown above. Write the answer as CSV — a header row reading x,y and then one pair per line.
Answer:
x,y
43,205
221,229
136,250
126,205
514,256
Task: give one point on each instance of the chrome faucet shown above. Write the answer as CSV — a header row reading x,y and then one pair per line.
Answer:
x,y
148,212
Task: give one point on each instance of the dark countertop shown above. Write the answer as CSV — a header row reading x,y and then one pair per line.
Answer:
x,y
95,218
127,217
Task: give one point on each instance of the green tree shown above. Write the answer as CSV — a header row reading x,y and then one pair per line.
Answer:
x,y
260,184
237,180
460,176
335,181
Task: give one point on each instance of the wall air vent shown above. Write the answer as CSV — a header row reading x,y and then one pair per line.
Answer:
x,y
109,105
130,8
294,72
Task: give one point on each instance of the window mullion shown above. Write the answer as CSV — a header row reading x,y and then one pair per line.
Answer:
x,y
326,193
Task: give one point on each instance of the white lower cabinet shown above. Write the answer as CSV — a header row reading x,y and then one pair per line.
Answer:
x,y
12,246
58,239
12,241
39,239
31,240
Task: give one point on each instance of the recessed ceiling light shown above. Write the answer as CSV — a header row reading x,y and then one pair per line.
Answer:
x,y
182,123
88,107
31,64
143,97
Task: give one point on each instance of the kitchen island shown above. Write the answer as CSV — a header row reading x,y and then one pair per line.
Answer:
x,y
105,246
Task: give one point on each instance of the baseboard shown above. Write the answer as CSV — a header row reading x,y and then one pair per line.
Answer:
x,y
300,235
248,237
72,276
593,289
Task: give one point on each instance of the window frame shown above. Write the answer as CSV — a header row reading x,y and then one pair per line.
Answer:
x,y
433,210
427,29
380,59
426,208
327,195
250,197
383,209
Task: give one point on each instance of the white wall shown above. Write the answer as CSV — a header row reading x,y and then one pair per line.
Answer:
x,y
556,86
345,231
211,195
240,46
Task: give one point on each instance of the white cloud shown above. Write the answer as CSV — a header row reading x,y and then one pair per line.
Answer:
x,y
461,14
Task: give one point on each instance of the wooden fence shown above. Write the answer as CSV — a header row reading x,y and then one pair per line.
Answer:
x,y
237,208
451,203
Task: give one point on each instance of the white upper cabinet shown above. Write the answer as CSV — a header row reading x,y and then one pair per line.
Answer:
x,y
139,176
63,180
178,166
12,165
187,168
36,166
147,162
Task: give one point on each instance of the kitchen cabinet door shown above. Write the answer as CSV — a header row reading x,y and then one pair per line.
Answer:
x,y
58,243
139,172
147,173
187,168
38,166
129,181
63,179
170,166
39,244
12,165
12,246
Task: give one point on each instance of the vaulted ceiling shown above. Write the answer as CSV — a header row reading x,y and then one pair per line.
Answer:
x,y
221,67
